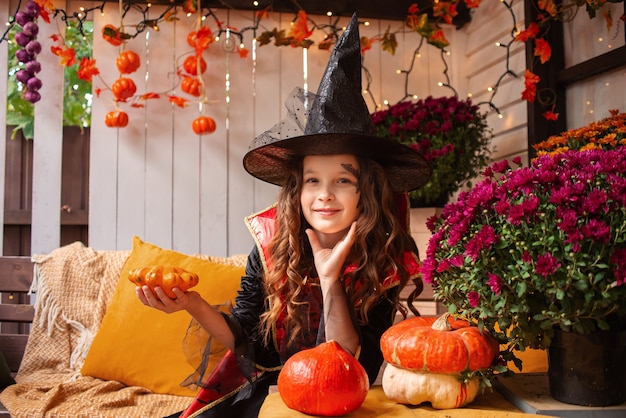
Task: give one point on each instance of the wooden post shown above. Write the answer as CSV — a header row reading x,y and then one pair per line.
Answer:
x,y
4,17
48,147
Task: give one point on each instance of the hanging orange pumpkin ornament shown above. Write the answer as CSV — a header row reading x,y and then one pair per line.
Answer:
x,y
123,88
426,357
112,35
191,64
127,62
200,39
116,119
324,381
203,125
191,85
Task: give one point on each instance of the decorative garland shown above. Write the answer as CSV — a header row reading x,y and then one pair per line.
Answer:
x,y
426,22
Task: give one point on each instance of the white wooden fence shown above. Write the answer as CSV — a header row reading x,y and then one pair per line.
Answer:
x,y
158,180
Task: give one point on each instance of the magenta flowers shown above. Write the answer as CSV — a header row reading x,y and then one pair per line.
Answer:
x,y
452,135
533,248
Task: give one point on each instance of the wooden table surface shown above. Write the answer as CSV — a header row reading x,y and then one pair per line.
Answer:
x,y
486,405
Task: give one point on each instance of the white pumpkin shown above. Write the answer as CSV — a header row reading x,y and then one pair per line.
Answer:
x,y
443,391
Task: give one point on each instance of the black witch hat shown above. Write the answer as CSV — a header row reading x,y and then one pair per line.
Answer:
x,y
334,121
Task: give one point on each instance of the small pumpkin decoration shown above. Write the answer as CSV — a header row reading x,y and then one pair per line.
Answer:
x,y
191,39
116,119
325,381
123,88
191,64
426,356
203,125
165,277
127,62
112,35
190,85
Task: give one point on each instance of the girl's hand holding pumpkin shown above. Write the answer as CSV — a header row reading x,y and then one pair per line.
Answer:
x,y
158,299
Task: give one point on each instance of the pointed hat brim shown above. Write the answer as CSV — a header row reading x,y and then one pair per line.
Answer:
x,y
334,121
405,168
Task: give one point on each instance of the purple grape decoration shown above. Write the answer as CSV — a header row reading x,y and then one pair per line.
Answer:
x,y
34,84
33,67
22,39
22,18
30,28
32,9
33,47
28,54
32,96
23,76
23,56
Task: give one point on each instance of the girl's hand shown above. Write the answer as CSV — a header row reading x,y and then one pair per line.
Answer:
x,y
157,299
329,261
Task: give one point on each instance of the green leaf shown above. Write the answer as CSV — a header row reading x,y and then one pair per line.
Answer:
x,y
389,42
521,288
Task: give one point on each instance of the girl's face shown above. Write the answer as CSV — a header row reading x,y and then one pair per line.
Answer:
x,y
330,195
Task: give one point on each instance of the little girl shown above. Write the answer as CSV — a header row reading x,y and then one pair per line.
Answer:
x,y
331,255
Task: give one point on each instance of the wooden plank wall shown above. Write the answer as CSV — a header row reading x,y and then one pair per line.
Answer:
x,y
485,62
158,180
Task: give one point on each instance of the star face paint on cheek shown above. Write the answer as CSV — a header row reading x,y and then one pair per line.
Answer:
x,y
356,173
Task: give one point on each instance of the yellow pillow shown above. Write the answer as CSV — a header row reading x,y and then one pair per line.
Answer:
x,y
141,346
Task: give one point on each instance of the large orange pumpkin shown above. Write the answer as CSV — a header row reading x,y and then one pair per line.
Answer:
x,y
426,357
325,381
116,119
416,345
191,64
127,62
123,88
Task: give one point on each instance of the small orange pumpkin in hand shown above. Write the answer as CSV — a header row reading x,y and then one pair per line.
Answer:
x,y
123,88
426,357
116,119
325,380
203,125
127,62
165,277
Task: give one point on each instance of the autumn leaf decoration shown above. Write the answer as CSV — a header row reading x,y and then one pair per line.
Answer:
x,y
536,31
420,21
296,37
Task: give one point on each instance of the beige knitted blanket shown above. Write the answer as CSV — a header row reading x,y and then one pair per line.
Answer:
x,y
73,285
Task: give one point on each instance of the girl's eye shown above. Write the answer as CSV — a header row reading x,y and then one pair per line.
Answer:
x,y
310,180
345,181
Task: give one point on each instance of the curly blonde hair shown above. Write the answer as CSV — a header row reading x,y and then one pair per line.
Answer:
x,y
381,240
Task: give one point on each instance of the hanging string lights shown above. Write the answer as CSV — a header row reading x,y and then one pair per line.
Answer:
x,y
425,22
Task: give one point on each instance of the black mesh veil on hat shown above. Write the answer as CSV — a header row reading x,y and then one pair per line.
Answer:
x,y
334,121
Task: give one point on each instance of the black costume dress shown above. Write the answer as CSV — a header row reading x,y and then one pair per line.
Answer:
x,y
239,384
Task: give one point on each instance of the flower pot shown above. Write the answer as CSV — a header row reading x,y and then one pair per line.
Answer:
x,y
588,369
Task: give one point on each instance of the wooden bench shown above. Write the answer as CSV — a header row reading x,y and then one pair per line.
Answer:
x,y
16,312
